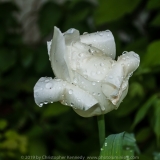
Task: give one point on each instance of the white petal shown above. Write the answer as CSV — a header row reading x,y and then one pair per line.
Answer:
x,y
117,79
88,61
78,98
71,35
57,54
130,62
49,47
48,90
102,40
51,90
94,88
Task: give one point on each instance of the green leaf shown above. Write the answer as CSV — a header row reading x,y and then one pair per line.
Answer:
x,y
119,145
54,109
153,4
3,124
143,110
157,120
156,21
37,147
110,10
7,60
143,134
49,16
153,54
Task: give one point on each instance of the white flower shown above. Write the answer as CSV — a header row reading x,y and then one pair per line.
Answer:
x,y
87,77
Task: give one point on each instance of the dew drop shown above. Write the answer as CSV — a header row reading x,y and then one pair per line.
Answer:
x,y
124,58
98,94
94,93
72,104
110,77
70,91
51,102
49,85
45,102
85,33
124,52
41,104
91,50
93,83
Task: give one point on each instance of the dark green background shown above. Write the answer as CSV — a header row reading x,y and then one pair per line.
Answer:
x,y
26,129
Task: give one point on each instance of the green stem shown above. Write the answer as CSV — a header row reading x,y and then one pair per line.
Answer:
x,y
101,128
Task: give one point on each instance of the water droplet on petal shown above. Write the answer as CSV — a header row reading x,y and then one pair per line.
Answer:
x,y
124,58
91,51
93,83
98,94
41,104
49,85
124,52
110,77
51,102
94,93
45,102
72,104
85,33
70,91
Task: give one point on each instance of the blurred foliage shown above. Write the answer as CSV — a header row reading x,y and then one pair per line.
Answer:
x,y
26,129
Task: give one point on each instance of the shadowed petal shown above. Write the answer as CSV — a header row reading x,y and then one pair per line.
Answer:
x,y
57,54
49,90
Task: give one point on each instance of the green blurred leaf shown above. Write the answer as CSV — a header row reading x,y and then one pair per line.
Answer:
x,y
153,54
156,155
49,16
153,4
157,120
37,147
156,21
143,134
26,57
3,124
7,59
54,109
110,10
136,89
119,145
143,110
